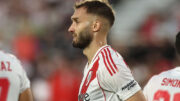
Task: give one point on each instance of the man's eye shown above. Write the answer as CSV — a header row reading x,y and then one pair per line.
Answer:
x,y
77,21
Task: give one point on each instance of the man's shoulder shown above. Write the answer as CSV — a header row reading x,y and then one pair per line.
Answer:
x,y
11,59
166,74
111,61
109,53
7,56
170,72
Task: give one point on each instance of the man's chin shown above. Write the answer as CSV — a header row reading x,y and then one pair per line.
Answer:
x,y
75,45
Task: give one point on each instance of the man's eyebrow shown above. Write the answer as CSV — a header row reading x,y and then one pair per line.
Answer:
x,y
74,18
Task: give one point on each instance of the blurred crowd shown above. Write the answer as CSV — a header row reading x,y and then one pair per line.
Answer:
x,y
36,32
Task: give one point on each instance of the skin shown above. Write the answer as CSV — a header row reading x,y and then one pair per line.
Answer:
x,y
98,29
26,95
81,20
139,96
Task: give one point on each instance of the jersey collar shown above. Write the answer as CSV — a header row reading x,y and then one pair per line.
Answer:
x,y
98,51
95,56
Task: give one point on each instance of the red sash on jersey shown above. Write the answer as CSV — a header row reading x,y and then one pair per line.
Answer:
x,y
92,74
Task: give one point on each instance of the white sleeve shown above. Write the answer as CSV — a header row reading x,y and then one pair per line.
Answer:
x,y
24,81
122,82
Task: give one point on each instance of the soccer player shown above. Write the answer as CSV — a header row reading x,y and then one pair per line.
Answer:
x,y
166,85
106,76
14,84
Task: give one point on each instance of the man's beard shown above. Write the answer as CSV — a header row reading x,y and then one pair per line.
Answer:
x,y
84,39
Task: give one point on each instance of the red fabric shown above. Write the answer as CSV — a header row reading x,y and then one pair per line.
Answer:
x,y
25,47
148,26
93,71
65,85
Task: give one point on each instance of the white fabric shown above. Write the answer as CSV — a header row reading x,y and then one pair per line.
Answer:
x,y
108,85
15,75
168,82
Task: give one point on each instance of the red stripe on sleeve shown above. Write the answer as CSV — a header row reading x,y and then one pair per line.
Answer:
x,y
105,63
112,59
108,61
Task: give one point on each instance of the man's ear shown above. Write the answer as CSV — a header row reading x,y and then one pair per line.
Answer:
x,y
96,26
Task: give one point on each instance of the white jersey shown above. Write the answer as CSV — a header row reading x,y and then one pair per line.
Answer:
x,y
13,79
164,87
107,78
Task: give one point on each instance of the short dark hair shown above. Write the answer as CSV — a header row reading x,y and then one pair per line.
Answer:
x,y
99,8
177,44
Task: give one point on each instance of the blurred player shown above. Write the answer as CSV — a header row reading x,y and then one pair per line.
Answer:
x,y
166,85
106,76
14,84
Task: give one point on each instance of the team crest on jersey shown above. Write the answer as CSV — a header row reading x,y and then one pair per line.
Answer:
x,y
89,77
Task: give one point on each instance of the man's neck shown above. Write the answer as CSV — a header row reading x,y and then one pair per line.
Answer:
x,y
91,50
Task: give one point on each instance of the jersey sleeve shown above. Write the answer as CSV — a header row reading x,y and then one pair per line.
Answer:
x,y
121,82
24,81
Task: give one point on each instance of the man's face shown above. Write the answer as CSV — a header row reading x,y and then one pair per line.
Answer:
x,y
81,28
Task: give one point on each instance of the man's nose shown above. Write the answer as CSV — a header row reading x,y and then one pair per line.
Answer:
x,y
71,29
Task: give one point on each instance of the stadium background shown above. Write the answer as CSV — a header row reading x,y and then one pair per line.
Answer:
x,y
36,32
